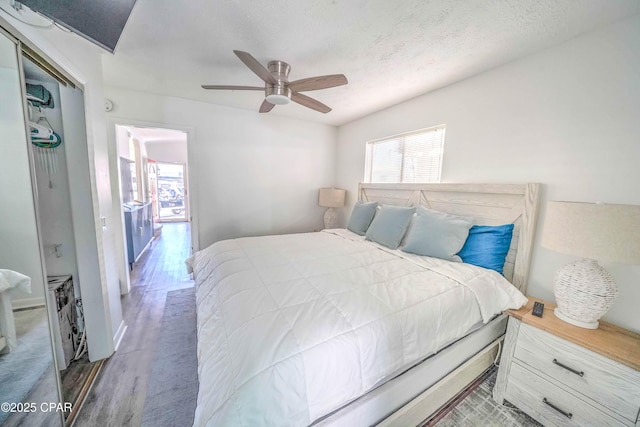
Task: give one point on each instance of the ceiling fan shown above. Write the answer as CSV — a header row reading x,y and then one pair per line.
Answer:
x,y
277,87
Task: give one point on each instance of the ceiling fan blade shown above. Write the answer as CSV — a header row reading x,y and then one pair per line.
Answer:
x,y
255,66
266,106
225,87
318,82
309,102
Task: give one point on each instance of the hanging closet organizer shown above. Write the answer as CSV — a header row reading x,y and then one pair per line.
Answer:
x,y
43,137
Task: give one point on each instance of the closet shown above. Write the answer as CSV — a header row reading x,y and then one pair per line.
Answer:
x,y
28,372
47,233
48,145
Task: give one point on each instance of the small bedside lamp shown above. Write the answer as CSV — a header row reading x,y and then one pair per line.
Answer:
x,y
584,290
331,198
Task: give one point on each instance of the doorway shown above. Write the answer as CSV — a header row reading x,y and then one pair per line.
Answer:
x,y
172,203
150,187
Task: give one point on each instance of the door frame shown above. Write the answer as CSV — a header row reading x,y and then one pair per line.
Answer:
x,y
118,214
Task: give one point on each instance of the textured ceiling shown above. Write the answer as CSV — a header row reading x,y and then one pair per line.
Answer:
x,y
390,51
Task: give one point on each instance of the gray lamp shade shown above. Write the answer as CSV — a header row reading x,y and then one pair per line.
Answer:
x,y
331,197
603,232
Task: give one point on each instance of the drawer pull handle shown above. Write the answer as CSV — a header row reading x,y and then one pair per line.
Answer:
x,y
566,414
580,373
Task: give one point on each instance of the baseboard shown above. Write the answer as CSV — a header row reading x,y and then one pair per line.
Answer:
x,y
117,338
24,303
93,376
147,246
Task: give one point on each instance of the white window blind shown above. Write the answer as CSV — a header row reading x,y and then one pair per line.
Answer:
x,y
410,157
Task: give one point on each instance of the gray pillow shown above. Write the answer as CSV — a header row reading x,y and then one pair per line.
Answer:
x,y
361,217
437,234
389,225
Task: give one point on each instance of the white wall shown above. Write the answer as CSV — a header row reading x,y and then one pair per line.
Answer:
x,y
102,298
250,173
124,147
567,117
167,151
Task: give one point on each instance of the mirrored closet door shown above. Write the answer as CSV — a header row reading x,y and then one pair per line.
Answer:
x,y
29,384
55,119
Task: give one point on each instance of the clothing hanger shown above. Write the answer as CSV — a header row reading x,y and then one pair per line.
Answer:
x,y
33,98
38,131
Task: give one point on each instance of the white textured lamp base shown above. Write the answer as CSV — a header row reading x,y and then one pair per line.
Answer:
x,y
584,293
330,218
586,325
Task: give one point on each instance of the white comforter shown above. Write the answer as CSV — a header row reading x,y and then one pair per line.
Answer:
x,y
292,327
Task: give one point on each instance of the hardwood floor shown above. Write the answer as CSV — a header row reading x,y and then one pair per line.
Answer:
x,y
117,398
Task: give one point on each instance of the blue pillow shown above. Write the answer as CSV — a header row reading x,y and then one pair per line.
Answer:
x,y
437,234
487,246
389,225
361,217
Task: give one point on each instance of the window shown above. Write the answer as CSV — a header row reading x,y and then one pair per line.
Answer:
x,y
409,157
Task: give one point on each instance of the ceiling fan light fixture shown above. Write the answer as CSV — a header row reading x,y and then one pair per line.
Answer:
x,y
278,99
277,88
278,95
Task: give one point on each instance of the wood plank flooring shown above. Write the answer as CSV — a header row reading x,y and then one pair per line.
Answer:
x,y
117,398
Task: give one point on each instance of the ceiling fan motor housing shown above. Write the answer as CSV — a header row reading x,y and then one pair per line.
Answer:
x,y
277,87
279,94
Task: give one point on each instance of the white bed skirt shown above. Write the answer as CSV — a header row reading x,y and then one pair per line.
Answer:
x,y
381,402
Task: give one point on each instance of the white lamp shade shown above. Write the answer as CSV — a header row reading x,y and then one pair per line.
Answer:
x,y
603,232
331,197
595,232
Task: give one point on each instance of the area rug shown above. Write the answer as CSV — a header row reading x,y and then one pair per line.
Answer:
x,y
173,387
22,368
476,407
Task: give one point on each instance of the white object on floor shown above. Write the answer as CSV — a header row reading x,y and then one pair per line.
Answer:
x,y
157,229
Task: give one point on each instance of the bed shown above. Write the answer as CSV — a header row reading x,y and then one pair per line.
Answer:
x,y
9,280
328,328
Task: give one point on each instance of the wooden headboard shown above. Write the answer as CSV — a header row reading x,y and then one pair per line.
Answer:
x,y
488,204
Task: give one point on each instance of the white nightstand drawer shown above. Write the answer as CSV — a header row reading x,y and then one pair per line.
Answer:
x,y
552,405
608,383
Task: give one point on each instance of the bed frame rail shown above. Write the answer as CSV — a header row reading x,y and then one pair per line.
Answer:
x,y
437,396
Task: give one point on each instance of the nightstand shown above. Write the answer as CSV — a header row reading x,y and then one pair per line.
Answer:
x,y
563,375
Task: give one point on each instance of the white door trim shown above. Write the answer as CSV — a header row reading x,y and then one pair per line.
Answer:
x,y
123,265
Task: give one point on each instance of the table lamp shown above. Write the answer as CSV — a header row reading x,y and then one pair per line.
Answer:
x,y
331,198
584,290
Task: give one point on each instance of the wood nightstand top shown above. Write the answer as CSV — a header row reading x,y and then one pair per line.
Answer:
x,y
608,340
